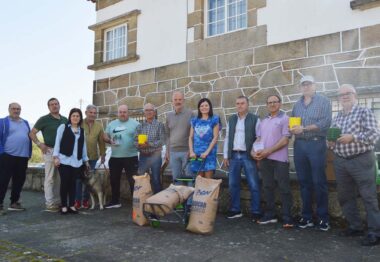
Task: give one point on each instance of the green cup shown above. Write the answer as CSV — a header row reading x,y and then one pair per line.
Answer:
x,y
333,133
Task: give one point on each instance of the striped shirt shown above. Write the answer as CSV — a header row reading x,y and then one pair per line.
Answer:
x,y
318,113
360,123
156,135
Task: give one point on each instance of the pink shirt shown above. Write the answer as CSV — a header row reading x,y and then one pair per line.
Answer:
x,y
271,130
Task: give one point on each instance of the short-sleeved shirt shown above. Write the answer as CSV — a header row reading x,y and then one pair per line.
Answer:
x,y
203,136
17,143
271,130
48,125
122,133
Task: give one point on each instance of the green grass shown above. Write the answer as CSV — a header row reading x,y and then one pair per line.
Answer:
x,y
15,252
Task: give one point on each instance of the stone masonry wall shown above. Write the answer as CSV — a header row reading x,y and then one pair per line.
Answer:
x,y
240,63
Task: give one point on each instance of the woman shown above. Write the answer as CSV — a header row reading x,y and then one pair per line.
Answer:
x,y
70,153
204,133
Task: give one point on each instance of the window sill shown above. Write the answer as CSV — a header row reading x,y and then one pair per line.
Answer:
x,y
115,62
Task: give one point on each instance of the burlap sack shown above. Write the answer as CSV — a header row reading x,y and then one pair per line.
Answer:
x,y
165,201
141,192
204,205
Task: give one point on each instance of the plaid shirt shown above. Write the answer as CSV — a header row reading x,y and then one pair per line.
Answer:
x,y
156,135
360,123
318,113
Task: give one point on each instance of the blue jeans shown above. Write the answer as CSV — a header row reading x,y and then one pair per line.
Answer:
x,y
237,162
152,162
79,191
310,163
178,161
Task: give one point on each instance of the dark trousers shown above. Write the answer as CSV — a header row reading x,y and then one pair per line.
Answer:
x,y
353,175
12,167
275,171
116,165
310,163
68,175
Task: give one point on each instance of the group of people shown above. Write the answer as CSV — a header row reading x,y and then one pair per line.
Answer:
x,y
251,145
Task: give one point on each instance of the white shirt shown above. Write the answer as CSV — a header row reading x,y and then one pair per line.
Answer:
x,y
239,138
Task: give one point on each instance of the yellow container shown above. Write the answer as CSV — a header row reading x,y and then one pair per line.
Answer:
x,y
142,139
294,121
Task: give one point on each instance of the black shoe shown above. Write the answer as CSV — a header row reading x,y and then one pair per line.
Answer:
x,y
234,214
256,217
72,210
371,240
304,223
349,232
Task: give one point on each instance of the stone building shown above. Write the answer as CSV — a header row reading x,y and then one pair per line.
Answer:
x,y
220,49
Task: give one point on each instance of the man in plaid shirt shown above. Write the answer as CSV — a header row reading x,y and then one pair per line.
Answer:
x,y
355,165
150,151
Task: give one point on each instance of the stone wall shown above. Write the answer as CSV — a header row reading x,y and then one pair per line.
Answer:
x,y
240,63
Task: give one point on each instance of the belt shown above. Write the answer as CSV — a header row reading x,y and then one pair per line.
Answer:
x,y
149,153
239,151
354,156
312,138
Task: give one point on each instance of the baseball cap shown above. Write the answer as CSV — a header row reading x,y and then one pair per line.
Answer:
x,y
307,79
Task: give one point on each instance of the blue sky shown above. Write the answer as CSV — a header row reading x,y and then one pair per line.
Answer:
x,y
45,50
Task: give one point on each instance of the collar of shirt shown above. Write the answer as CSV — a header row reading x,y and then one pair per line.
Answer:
x,y
243,117
279,114
353,109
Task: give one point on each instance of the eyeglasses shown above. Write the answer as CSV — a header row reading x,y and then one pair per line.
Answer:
x,y
149,110
346,94
273,102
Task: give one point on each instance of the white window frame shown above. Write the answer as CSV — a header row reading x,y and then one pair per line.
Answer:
x,y
125,53
206,15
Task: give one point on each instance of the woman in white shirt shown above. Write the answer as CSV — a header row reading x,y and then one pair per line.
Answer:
x,y
70,154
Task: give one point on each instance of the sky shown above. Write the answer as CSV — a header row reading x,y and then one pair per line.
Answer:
x,y
46,47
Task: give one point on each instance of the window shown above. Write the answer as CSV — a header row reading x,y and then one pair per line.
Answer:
x,y
115,43
225,16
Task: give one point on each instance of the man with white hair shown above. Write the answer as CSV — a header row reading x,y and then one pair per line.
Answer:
x,y
15,151
354,165
150,150
120,134
95,146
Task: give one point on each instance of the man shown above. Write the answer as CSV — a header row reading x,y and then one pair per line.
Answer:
x,y
120,134
241,133
272,144
150,150
177,130
95,146
48,125
354,165
15,150
310,152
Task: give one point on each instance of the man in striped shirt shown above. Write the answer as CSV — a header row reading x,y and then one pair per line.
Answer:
x,y
310,152
355,165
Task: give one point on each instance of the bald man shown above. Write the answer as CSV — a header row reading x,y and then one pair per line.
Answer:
x,y
120,135
15,151
177,131
354,165
150,151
